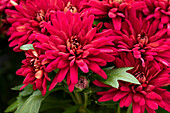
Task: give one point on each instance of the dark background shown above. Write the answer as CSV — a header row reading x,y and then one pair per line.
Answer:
x,y
10,61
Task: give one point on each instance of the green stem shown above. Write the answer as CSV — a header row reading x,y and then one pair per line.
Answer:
x,y
85,100
74,99
80,102
78,97
118,109
72,96
129,109
106,104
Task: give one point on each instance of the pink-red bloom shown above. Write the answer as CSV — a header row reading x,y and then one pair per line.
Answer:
x,y
143,38
148,95
4,25
115,9
34,71
26,22
160,10
75,44
6,4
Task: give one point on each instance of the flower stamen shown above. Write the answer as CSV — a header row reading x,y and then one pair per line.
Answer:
x,y
36,64
70,7
141,77
142,38
13,3
40,16
74,45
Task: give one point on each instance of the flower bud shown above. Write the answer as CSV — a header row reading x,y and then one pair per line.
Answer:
x,y
82,83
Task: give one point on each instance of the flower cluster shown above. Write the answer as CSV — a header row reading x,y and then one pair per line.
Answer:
x,y
130,33
5,4
148,95
34,70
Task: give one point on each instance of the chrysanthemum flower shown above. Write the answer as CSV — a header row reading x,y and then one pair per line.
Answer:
x,y
159,9
4,25
115,9
143,39
34,71
148,95
6,4
26,22
75,44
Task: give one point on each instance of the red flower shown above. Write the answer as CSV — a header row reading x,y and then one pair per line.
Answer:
x,y
26,22
6,4
4,25
34,71
160,10
73,5
115,9
75,44
143,39
148,95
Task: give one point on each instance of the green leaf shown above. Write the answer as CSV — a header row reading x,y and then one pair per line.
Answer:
x,y
26,91
12,107
20,101
32,104
16,105
119,74
17,87
27,103
27,47
21,98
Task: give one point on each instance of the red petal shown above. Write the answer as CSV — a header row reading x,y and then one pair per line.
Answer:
x,y
44,86
119,95
53,65
20,71
117,23
95,68
62,74
82,65
100,84
137,97
152,104
106,97
136,108
71,87
90,34
39,84
74,74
